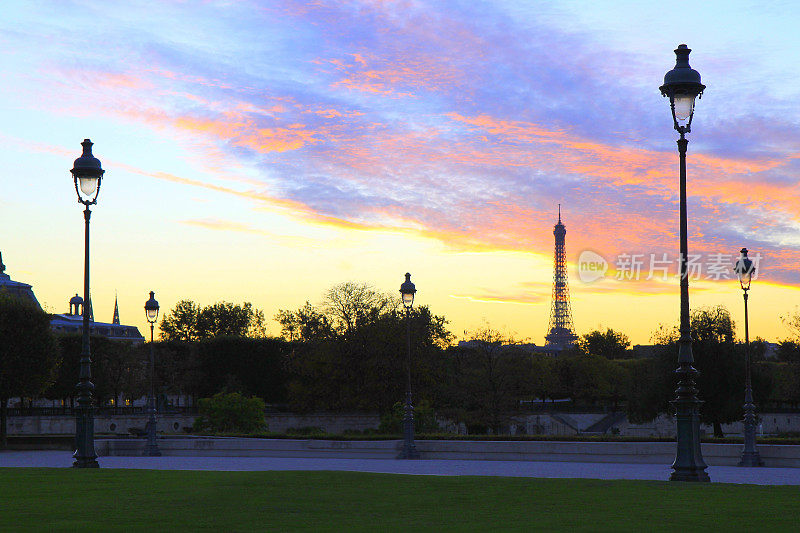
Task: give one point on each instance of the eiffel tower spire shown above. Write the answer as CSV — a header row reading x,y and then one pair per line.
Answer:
x,y
115,320
561,332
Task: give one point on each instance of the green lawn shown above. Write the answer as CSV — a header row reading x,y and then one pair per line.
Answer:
x,y
40,499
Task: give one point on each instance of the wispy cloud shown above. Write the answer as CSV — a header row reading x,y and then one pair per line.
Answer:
x,y
460,121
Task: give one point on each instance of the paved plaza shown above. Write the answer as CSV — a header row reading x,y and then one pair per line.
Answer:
x,y
431,467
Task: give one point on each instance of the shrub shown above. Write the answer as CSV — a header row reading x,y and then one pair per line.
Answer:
x,y
230,413
424,419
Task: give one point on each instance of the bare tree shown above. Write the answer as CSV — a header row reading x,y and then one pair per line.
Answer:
x,y
349,303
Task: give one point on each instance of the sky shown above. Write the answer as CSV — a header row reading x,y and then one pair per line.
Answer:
x,y
264,151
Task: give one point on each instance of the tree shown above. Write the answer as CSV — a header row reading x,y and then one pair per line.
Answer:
x,y
188,322
305,324
224,319
788,351
595,379
649,385
489,378
253,367
609,344
177,367
117,369
719,361
543,378
346,304
181,323
349,353
792,321
28,352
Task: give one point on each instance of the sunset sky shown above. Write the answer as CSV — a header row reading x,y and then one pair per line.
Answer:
x,y
264,151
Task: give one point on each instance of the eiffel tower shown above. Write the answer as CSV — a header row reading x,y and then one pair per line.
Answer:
x,y
561,332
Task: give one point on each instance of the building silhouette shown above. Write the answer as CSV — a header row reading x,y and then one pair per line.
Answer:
x,y
72,321
15,288
561,333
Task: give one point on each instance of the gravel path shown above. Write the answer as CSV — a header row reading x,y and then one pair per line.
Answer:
x,y
434,467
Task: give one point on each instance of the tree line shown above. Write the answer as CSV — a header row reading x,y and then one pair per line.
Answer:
x,y
347,353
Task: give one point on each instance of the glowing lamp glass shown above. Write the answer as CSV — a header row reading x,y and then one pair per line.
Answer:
x,y
408,299
87,186
684,105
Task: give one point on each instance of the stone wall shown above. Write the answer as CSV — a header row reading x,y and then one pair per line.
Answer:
x,y
328,423
596,452
175,424
534,424
103,424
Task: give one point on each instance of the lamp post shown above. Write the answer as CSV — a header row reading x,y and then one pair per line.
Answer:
x,y
151,449
682,85
750,457
409,451
87,174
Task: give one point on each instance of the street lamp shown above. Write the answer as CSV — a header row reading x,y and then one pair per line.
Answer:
x,y
151,449
87,174
682,86
745,270
407,290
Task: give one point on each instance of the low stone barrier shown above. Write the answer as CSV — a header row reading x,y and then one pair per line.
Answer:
x,y
103,423
592,452
244,447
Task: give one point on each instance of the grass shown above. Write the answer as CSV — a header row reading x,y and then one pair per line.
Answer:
x,y
38,499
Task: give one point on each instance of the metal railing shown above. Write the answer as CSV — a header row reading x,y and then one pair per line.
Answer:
x,y
104,410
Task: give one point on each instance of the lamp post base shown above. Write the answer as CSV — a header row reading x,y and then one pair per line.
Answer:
x,y
689,475
751,459
151,448
85,455
689,464
85,462
409,453
409,450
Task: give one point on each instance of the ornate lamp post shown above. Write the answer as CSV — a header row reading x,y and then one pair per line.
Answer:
x,y
750,457
682,85
407,290
151,449
87,174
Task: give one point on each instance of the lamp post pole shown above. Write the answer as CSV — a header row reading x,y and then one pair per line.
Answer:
x,y
409,451
682,85
87,174
750,456
151,449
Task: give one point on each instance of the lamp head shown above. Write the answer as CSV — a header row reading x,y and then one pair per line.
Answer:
x,y
407,290
682,85
151,308
745,270
87,174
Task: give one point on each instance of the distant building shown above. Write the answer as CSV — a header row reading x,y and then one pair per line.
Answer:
x,y
645,350
15,288
561,333
72,321
528,348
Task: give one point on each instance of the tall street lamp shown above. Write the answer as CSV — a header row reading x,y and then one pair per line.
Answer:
x,y
151,449
682,85
745,270
87,175
409,451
